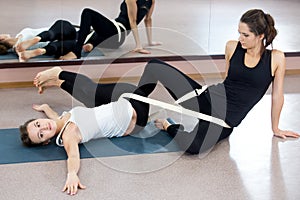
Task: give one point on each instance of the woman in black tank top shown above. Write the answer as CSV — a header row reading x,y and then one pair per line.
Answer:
x,y
112,33
251,68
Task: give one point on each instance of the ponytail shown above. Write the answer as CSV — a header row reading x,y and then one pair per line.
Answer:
x,y
270,32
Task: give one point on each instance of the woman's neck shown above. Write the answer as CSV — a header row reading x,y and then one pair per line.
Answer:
x,y
60,122
255,51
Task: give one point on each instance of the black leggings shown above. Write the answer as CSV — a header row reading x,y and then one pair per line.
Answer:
x,y
92,94
105,33
205,134
62,37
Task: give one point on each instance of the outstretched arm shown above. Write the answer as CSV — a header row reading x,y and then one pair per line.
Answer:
x,y
132,14
278,97
148,24
71,139
49,112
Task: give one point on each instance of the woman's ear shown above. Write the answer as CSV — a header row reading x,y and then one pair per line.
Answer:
x,y
46,142
262,36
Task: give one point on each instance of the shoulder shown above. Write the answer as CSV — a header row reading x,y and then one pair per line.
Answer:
x,y
278,61
230,48
278,54
278,57
71,133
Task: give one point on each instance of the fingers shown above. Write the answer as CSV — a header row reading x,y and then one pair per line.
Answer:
x,y
81,186
291,134
70,189
285,134
73,189
141,51
155,44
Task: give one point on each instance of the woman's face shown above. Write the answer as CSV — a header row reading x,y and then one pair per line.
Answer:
x,y
41,130
248,39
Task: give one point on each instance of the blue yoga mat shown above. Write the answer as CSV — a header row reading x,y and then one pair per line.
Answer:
x,y
149,140
10,56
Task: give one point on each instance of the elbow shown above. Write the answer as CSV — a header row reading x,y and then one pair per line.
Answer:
x,y
132,23
278,98
147,19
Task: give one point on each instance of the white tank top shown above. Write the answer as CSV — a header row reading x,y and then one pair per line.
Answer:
x,y
109,120
29,33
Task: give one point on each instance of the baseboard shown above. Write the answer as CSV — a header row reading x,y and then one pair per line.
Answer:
x,y
134,79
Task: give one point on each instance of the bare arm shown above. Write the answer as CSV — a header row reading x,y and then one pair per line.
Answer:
x,y
132,14
71,141
49,112
229,50
148,25
277,95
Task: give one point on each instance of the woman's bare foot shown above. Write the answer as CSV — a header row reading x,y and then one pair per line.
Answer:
x,y
68,56
22,46
87,47
26,55
162,124
47,78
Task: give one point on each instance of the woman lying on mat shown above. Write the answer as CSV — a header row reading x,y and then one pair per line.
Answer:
x,y
112,33
106,117
56,41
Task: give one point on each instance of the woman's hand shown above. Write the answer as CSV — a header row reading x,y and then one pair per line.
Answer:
x,y
141,51
72,184
284,134
155,44
40,108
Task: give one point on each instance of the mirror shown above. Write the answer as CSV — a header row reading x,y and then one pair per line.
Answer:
x,y
189,28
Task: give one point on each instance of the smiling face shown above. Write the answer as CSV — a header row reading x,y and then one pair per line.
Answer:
x,y
247,38
41,130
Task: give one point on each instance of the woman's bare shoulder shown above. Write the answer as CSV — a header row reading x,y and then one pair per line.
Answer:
x,y
230,48
71,133
278,53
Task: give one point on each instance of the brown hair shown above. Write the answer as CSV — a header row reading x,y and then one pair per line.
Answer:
x,y
25,136
4,47
260,23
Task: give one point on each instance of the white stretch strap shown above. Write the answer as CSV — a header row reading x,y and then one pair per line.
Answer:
x,y
176,108
88,36
191,94
118,25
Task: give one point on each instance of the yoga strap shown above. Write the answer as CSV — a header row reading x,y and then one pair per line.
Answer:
x,y
191,94
118,25
176,108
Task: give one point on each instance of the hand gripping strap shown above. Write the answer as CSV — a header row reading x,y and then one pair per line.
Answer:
x,y
176,108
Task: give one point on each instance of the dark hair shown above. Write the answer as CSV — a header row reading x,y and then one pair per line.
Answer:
x,y
25,136
260,23
4,46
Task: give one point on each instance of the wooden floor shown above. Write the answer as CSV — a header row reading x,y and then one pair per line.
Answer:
x,y
251,164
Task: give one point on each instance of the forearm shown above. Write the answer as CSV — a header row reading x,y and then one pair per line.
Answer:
x,y
148,25
136,36
51,114
73,165
277,104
